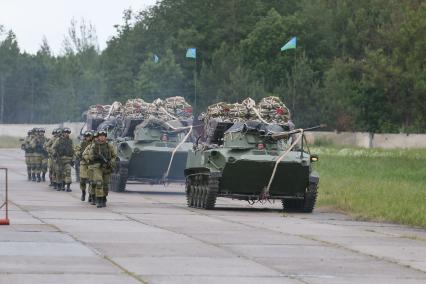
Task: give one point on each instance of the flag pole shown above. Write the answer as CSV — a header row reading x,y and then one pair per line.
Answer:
x,y
192,53
294,82
195,84
291,44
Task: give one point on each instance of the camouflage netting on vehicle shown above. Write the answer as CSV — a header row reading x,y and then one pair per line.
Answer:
x,y
269,110
173,108
136,108
104,111
273,110
168,109
178,107
156,109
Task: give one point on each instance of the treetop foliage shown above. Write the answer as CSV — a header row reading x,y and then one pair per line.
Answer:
x,y
359,65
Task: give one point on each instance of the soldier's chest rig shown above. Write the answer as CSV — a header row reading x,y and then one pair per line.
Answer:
x,y
39,143
83,146
103,152
65,147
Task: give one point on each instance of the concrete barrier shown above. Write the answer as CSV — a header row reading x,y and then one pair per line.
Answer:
x,y
366,140
20,130
357,139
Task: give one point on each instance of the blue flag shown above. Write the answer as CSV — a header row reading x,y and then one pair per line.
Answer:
x,y
156,58
191,53
289,45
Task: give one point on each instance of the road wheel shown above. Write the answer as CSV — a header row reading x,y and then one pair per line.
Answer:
x,y
203,193
211,192
310,198
305,205
197,194
189,190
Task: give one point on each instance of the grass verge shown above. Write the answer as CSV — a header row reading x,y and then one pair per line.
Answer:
x,y
10,142
383,185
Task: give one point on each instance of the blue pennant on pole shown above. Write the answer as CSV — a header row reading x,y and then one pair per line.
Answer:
x,y
290,45
191,53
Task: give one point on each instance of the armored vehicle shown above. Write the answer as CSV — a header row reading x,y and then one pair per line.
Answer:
x,y
252,158
98,115
156,153
152,144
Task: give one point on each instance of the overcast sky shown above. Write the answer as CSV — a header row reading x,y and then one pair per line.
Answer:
x,y
33,19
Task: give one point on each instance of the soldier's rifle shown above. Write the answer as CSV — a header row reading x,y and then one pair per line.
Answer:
x,y
106,163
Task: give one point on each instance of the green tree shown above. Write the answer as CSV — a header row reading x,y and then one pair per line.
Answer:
x,y
160,79
9,54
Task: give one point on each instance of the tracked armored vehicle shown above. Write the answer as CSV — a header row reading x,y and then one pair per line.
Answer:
x,y
252,158
152,147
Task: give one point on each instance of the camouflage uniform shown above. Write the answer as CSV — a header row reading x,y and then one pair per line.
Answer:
x,y
85,156
37,143
48,148
84,177
63,152
44,158
28,152
101,155
53,160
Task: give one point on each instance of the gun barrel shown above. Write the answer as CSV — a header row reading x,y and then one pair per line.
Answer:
x,y
286,134
315,127
281,135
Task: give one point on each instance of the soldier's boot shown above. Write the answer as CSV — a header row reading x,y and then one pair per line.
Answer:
x,y
68,187
58,186
93,201
62,186
43,176
29,176
83,195
33,177
38,177
99,202
104,200
90,198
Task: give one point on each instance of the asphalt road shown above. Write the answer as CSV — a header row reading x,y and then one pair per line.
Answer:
x,y
148,235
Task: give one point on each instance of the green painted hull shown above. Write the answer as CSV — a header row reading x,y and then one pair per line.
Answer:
x,y
148,162
252,177
151,165
244,174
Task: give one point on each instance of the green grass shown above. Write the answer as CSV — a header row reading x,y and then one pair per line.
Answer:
x,y
384,185
9,142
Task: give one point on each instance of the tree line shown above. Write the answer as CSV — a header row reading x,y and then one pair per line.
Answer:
x,y
358,65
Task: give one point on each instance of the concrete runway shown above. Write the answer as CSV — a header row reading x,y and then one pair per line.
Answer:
x,y
148,235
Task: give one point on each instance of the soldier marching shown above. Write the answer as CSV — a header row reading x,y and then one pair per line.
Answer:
x,y
56,155
101,157
84,176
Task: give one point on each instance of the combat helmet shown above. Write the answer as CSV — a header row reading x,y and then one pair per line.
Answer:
x,y
88,133
102,132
